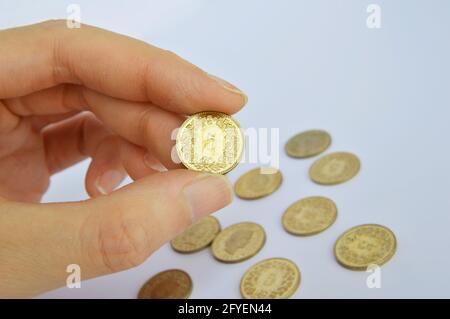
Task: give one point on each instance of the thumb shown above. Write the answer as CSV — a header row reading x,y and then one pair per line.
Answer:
x,y
125,227
103,235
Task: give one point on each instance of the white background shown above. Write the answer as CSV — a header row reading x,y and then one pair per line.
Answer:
x,y
381,93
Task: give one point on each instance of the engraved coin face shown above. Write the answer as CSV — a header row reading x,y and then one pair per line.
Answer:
x,y
210,142
258,183
365,245
334,168
275,278
238,242
307,144
309,216
198,236
169,284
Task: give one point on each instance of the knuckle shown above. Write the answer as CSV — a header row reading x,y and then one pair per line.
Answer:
x,y
9,121
123,241
147,127
124,233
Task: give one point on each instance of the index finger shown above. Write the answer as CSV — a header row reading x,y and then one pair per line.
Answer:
x,y
40,56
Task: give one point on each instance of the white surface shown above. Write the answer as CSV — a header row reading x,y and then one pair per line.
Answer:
x,y
382,94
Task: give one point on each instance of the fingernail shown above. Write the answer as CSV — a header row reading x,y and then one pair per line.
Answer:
x,y
107,182
207,193
153,164
229,87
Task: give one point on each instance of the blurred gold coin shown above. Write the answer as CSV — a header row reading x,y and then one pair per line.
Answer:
x,y
257,183
309,216
197,237
210,142
308,143
334,168
365,245
275,278
238,242
169,284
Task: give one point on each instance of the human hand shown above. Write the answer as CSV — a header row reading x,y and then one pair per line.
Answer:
x,y
68,94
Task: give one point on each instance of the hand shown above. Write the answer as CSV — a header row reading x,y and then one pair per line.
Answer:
x,y
68,94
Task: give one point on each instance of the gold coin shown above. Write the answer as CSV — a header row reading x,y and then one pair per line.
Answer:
x,y
210,142
257,183
275,278
309,216
198,236
238,242
334,168
307,144
169,284
365,245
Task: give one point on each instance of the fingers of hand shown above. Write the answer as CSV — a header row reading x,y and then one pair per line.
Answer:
x,y
72,140
136,220
109,63
140,123
113,160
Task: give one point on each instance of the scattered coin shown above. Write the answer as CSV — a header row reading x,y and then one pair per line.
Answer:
x,y
334,168
258,182
198,236
308,144
238,242
210,142
169,284
365,245
309,216
275,278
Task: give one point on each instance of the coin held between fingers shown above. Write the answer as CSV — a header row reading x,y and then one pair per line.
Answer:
x,y
210,142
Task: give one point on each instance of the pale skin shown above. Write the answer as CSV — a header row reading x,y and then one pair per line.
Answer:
x,y
71,94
